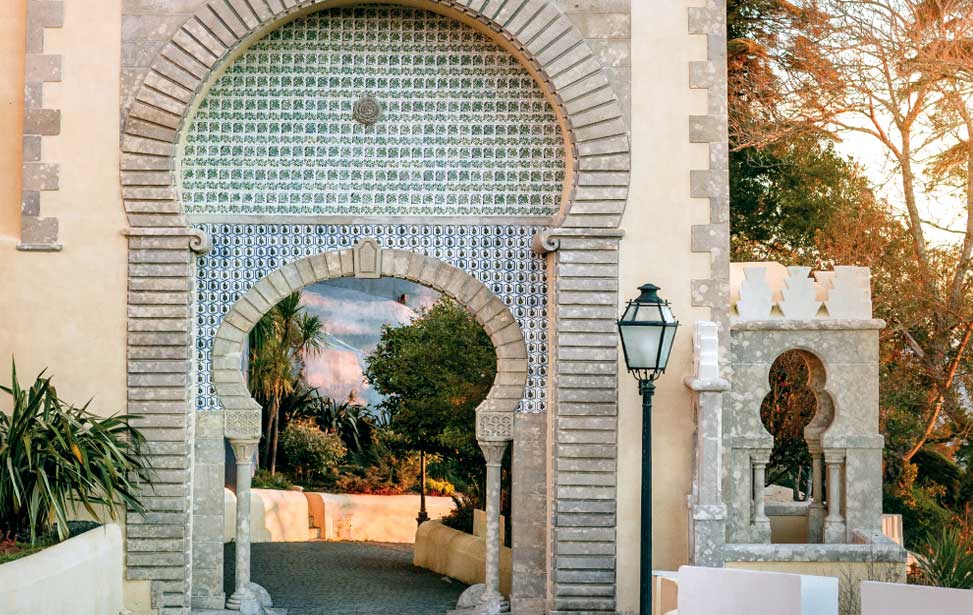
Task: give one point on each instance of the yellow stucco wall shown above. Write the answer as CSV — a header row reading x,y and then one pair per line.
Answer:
x,y
656,249
66,311
13,17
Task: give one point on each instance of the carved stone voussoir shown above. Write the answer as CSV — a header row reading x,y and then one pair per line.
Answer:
x,y
368,259
495,426
241,424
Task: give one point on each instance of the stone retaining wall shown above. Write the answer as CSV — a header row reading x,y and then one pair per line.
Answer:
x,y
80,576
294,516
457,555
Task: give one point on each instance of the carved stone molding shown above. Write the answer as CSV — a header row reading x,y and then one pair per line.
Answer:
x,y
37,233
495,426
196,240
241,424
368,259
242,413
549,241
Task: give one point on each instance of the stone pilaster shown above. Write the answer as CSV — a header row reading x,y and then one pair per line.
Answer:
x,y
38,233
585,416
707,517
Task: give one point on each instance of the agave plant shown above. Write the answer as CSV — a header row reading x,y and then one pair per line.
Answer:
x,y
947,560
55,457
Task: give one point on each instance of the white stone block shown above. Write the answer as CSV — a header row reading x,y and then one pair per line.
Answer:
x,y
706,350
851,294
898,599
708,591
825,282
799,295
756,295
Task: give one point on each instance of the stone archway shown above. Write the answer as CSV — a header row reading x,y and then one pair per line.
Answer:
x,y
535,31
567,515
368,260
494,415
819,407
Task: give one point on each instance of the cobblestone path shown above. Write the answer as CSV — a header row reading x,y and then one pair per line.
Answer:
x,y
346,578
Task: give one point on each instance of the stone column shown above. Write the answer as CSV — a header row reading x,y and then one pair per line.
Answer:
x,y
243,599
707,518
834,523
815,521
761,523
492,602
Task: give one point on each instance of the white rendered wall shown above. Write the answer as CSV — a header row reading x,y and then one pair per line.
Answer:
x,y
899,599
80,576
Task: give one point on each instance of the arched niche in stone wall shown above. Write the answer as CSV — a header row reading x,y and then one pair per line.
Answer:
x,y
242,414
844,376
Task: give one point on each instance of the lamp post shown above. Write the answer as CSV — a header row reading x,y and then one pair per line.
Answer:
x,y
423,515
647,329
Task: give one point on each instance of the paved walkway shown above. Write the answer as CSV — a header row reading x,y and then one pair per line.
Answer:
x,y
346,578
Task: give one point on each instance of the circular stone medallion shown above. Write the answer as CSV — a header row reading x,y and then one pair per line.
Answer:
x,y
366,111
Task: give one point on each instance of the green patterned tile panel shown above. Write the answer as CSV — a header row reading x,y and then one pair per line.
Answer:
x,y
464,128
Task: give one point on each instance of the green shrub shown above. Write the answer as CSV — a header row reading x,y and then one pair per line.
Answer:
x,y
461,517
435,486
946,560
54,457
263,479
311,453
920,512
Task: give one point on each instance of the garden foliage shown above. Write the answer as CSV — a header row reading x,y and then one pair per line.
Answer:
x,y
56,458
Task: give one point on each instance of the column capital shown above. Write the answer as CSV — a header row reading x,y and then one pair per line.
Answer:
x,y
833,458
243,449
760,456
493,451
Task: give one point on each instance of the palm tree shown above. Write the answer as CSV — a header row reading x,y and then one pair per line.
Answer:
x,y
279,344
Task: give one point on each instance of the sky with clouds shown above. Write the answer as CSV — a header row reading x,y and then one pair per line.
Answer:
x,y
353,311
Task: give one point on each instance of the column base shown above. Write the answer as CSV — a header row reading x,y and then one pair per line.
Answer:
x,y
835,532
252,600
761,531
476,601
708,535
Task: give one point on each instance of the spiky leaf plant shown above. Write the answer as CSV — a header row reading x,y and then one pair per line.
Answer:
x,y
55,457
947,560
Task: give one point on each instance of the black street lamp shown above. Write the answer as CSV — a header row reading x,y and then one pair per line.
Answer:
x,y
423,515
647,329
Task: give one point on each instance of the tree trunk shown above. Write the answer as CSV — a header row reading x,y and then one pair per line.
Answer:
x,y
937,397
270,454
273,446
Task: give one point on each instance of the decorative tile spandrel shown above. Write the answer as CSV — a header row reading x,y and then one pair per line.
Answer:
x,y
499,256
377,110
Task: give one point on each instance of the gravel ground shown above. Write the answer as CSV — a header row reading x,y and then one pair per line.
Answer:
x,y
346,578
